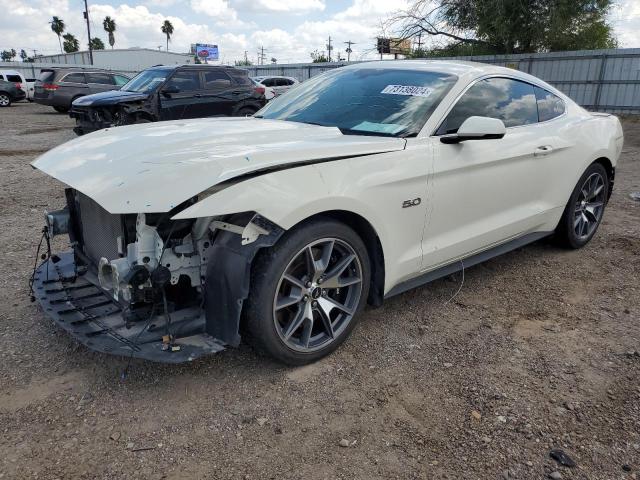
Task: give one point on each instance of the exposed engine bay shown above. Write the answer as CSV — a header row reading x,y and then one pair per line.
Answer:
x,y
137,283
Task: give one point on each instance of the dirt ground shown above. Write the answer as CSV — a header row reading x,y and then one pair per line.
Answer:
x,y
539,350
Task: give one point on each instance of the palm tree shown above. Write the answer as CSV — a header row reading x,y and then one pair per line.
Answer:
x,y
96,44
58,26
109,25
167,29
71,43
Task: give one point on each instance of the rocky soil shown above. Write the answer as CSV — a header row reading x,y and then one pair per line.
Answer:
x,y
539,351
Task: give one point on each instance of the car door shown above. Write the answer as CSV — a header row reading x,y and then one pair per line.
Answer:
x,y
486,192
99,82
71,86
181,96
218,95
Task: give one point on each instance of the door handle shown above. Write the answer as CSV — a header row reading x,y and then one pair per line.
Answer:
x,y
543,150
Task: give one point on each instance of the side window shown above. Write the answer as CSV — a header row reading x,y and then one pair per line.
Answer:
x,y
549,105
74,78
14,78
240,77
186,81
269,82
511,101
282,82
101,78
120,80
216,80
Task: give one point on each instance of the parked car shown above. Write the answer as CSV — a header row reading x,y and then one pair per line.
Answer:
x,y
16,78
279,84
10,93
170,93
360,184
268,92
59,87
30,90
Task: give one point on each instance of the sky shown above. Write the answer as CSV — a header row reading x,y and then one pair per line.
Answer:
x,y
287,29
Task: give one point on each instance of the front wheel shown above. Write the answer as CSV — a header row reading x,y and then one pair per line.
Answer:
x,y
306,292
5,100
245,112
585,208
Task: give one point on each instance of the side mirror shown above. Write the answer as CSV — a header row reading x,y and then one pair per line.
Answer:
x,y
477,128
170,89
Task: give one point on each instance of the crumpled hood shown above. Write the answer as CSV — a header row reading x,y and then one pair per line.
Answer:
x,y
111,97
154,167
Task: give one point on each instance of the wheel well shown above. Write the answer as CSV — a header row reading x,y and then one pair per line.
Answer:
x,y
371,240
611,172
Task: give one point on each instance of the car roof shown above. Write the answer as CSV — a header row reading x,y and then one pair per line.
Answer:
x,y
192,66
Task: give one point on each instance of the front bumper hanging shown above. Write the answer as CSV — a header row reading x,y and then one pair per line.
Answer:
x,y
90,314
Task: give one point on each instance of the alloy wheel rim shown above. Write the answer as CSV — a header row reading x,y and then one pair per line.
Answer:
x,y
589,206
317,295
4,100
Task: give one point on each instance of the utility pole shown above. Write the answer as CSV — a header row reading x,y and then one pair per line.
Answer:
x,y
246,61
348,50
329,48
86,17
420,42
261,56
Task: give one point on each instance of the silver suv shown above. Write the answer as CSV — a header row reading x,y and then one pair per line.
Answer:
x,y
59,87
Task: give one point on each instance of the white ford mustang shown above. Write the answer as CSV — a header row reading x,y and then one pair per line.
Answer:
x,y
352,187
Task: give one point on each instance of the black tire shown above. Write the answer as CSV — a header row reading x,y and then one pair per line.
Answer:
x,y
566,233
61,109
259,314
245,112
5,100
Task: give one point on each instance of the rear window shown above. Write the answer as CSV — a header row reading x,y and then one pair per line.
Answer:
x,y
46,76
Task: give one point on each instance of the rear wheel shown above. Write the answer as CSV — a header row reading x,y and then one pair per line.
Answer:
x,y
584,211
306,292
5,100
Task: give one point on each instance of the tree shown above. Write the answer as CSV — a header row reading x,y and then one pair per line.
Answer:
x,y
71,43
23,55
167,29
109,25
7,55
243,63
97,44
274,60
508,26
58,26
317,57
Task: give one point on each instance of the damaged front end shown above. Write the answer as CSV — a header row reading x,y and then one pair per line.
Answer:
x,y
147,286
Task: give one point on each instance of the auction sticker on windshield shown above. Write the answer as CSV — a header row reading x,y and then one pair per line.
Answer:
x,y
408,90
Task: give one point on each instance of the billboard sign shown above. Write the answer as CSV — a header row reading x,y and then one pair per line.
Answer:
x,y
206,52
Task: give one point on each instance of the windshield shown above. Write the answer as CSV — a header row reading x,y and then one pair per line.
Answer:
x,y
364,101
147,80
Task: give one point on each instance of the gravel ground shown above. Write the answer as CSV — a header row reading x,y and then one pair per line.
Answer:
x,y
540,350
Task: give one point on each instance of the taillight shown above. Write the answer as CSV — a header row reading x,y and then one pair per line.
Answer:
x,y
50,87
260,90
19,85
